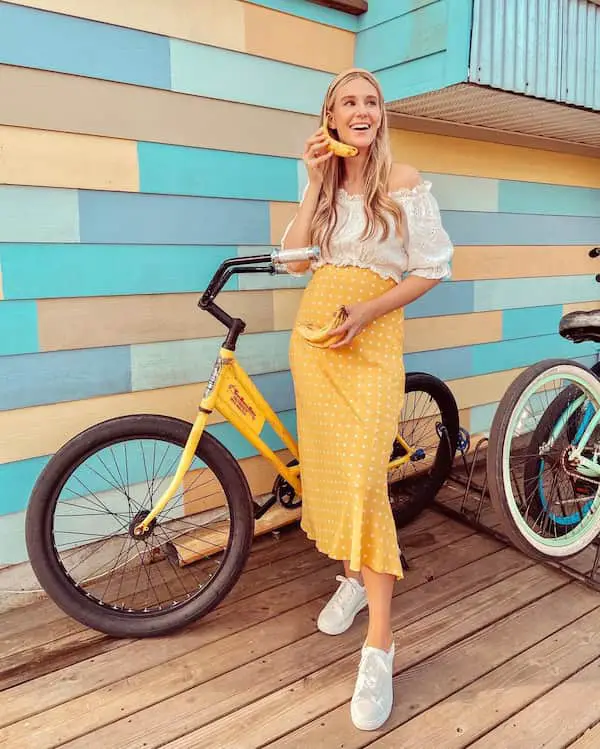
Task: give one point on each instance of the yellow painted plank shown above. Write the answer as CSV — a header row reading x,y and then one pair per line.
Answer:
x,y
280,215
280,36
447,331
41,430
118,110
450,155
580,307
285,306
121,320
216,22
51,159
514,261
477,391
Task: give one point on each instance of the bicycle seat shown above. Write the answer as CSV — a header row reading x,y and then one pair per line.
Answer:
x,y
581,326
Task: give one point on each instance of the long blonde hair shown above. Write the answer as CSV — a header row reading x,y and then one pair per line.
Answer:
x,y
378,205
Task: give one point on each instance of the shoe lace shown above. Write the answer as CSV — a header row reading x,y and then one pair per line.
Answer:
x,y
369,674
343,594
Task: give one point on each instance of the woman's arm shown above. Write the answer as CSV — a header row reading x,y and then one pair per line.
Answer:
x,y
297,235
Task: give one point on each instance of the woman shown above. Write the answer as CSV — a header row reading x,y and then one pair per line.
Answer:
x,y
374,222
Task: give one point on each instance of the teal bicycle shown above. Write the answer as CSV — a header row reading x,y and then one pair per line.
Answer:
x,y
543,460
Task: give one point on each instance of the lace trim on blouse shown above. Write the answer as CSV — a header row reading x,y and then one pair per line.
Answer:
x,y
424,250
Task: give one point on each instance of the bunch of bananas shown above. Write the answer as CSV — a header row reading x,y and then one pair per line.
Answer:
x,y
321,337
338,148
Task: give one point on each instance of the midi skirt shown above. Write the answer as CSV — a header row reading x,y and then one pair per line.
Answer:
x,y
348,404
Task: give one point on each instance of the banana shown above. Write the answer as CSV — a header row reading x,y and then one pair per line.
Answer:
x,y
321,337
338,148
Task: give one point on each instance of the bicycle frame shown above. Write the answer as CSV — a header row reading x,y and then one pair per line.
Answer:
x,y
232,393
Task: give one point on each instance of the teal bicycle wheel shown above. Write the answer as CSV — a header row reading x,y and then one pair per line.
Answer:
x,y
543,459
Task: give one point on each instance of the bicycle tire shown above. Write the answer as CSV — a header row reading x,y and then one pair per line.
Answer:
x,y
408,505
495,460
70,597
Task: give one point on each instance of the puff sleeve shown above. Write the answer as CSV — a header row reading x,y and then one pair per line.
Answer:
x,y
427,243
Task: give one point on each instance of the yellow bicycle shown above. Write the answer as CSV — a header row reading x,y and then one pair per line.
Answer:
x,y
143,523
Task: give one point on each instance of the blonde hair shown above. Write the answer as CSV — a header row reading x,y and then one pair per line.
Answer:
x,y
377,202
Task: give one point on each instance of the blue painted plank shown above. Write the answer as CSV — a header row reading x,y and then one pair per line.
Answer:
x,y
449,298
58,376
521,352
127,218
481,418
38,214
407,37
533,292
179,170
456,192
157,365
530,321
45,271
458,46
385,10
414,77
223,74
558,200
477,228
51,41
18,328
447,364
17,480
307,9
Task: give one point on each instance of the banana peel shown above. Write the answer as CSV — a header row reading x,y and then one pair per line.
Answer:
x,y
321,336
339,149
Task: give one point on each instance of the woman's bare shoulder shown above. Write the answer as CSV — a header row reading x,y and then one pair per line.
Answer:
x,y
403,176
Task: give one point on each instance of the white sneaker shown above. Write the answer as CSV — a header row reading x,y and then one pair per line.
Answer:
x,y
374,692
339,612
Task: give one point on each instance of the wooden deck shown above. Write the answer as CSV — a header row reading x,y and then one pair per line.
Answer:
x,y
493,651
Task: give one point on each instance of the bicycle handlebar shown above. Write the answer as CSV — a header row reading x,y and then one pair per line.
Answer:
x,y
273,263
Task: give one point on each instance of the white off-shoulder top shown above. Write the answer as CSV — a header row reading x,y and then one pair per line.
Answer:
x,y
424,249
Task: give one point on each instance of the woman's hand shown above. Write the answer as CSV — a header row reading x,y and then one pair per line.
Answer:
x,y
359,316
315,155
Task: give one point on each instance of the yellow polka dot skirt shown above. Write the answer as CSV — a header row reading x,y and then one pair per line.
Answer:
x,y
348,404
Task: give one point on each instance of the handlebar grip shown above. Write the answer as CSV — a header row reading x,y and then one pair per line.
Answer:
x,y
295,256
594,252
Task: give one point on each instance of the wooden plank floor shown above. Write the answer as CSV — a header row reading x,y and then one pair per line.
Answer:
x,y
493,651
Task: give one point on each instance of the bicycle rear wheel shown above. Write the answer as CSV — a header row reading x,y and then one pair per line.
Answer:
x,y
98,487
429,424
547,502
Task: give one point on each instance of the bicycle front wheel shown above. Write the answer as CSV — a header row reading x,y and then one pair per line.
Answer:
x,y
545,494
98,487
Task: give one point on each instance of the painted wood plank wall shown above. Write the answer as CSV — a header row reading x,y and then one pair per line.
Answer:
x,y
117,206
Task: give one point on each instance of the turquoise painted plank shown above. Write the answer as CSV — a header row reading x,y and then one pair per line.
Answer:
x,y
157,365
414,77
408,37
533,292
254,281
223,74
458,45
179,170
129,218
18,328
17,480
307,9
12,539
51,41
449,298
38,214
454,192
521,352
59,376
558,200
44,271
530,321
381,11
480,228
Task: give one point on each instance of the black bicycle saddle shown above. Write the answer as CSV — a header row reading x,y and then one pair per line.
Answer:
x,y
581,326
